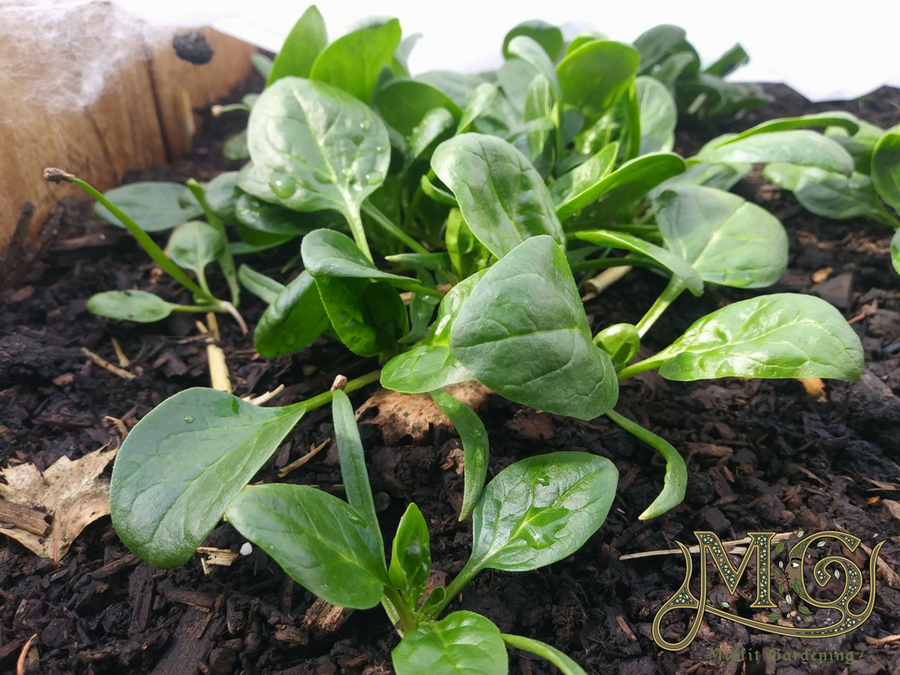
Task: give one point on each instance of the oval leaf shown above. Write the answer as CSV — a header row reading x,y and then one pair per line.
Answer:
x,y
579,187
784,335
137,306
549,37
886,167
593,76
327,253
368,316
307,38
800,147
728,240
194,245
834,118
404,104
541,510
658,116
319,540
502,197
293,320
153,206
523,333
411,556
462,644
183,463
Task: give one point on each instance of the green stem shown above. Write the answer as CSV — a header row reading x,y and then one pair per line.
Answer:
x,y
356,228
633,149
565,665
640,367
424,290
192,308
145,240
325,397
407,620
226,262
668,296
393,229
675,482
455,587
231,107
410,215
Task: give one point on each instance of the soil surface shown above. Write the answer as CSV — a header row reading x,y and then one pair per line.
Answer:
x,y
762,455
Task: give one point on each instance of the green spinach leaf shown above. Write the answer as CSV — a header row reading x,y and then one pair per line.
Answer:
x,y
464,643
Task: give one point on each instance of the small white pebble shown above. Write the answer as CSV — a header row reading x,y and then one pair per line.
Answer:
x,y
247,548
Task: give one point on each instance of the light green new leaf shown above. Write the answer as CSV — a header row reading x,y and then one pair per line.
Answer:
x,y
307,38
293,319
580,187
404,104
502,197
524,334
886,167
154,206
183,463
475,446
659,116
677,265
464,643
800,147
895,251
728,240
195,244
263,287
354,62
411,556
137,306
784,335
319,540
547,36
541,510
593,76
835,118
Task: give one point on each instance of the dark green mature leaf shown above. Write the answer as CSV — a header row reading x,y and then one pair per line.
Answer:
x,y
580,187
368,316
137,306
655,44
354,62
153,206
565,665
222,194
307,38
314,148
319,540
728,240
831,195
194,245
263,287
430,365
596,74
784,335
523,333
530,51
294,318
677,265
475,446
462,644
502,197
480,103
549,37
272,219
800,147
436,124
835,118
658,116
886,167
411,556
183,463
404,104
541,510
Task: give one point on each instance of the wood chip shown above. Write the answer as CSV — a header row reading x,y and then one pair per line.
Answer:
x,y
814,386
124,361
893,507
821,275
106,365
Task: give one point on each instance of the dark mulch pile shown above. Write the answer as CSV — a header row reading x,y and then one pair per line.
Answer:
x,y
762,456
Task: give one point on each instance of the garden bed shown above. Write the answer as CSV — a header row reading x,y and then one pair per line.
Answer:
x,y
762,455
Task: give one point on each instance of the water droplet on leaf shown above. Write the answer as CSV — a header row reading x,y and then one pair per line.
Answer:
x,y
188,419
283,186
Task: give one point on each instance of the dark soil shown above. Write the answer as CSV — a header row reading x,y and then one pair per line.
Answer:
x,y
763,455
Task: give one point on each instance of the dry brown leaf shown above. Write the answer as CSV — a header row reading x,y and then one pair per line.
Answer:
x,y
814,386
400,415
821,275
74,494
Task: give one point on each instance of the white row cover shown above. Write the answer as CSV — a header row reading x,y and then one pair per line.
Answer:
x,y
825,51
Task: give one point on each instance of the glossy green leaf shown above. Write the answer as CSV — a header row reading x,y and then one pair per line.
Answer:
x,y
784,335
860,145
800,147
462,644
675,264
272,219
565,665
655,44
319,540
524,334
730,61
352,460
514,77
886,167
314,148
549,37
501,196
137,306
728,240
835,118
895,251
480,102
404,104
541,510
581,186
658,116
183,463
430,365
720,176
368,316
411,556
533,53
354,62
303,44
594,76
222,194
475,444
294,318
621,341
436,124
153,206
467,254
195,244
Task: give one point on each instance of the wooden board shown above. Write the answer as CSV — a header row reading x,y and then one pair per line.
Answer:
x,y
145,116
